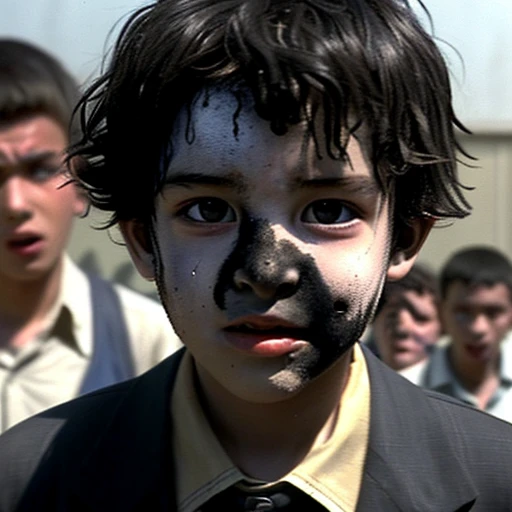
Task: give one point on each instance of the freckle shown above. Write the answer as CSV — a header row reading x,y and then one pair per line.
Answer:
x,y
175,288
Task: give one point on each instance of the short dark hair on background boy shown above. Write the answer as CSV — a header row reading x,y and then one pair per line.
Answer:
x,y
40,85
270,165
476,266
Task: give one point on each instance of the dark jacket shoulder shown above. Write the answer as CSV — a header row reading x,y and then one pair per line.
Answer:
x,y
430,452
42,457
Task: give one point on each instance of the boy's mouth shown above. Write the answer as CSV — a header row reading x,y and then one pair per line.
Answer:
x,y
265,336
265,324
27,244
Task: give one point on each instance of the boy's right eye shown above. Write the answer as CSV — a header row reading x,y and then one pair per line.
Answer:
x,y
328,211
209,209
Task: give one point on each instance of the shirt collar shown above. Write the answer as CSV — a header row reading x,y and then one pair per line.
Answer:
x,y
69,320
75,297
205,469
506,359
441,374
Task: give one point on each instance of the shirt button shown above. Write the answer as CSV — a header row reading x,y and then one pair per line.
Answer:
x,y
258,504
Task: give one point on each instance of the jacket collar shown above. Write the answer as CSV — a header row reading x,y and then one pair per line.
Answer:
x,y
132,462
410,451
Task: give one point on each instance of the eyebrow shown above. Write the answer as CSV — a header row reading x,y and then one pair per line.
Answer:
x,y
30,158
364,185
186,179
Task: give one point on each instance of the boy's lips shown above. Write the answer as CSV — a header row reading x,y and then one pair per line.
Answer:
x,y
25,244
476,351
266,336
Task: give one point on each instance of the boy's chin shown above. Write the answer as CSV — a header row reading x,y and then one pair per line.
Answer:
x,y
305,366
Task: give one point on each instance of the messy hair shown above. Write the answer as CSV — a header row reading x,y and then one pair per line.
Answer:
x,y
34,82
476,266
360,62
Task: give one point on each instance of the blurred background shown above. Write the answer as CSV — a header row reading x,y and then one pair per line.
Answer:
x,y
474,35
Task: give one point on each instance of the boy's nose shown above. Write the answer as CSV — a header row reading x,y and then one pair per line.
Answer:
x,y
269,280
13,199
479,325
404,321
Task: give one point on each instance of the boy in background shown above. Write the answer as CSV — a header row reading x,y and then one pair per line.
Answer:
x,y
476,309
62,332
407,326
270,165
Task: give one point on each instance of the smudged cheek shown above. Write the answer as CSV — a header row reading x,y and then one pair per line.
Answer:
x,y
189,281
355,278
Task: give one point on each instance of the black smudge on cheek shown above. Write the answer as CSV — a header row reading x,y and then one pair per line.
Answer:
x,y
334,323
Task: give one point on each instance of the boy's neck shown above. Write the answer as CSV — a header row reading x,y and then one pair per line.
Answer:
x,y
480,379
252,434
24,306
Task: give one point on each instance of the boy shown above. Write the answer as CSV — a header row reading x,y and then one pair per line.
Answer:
x,y
62,333
476,310
270,164
407,325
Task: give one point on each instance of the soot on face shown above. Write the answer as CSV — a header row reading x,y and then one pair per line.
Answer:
x,y
332,324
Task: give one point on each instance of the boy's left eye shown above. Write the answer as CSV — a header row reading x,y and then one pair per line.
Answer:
x,y
328,211
42,173
209,209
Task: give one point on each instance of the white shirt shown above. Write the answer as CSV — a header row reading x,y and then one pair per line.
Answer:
x,y
50,369
438,376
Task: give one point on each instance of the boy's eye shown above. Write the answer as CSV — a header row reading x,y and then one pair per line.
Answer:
x,y
327,211
209,209
43,172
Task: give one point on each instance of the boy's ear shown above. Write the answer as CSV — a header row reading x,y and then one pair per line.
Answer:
x,y
407,245
139,246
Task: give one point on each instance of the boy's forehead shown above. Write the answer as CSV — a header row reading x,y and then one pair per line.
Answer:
x,y
222,125
467,291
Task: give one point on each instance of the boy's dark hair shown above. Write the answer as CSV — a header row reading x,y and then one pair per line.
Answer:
x,y
476,266
366,63
420,279
34,82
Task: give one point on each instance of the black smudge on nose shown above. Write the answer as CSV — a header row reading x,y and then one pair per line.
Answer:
x,y
262,258
333,322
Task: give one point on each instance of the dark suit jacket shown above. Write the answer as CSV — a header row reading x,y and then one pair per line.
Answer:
x,y
110,451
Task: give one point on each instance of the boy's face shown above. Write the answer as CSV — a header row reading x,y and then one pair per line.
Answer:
x,y
406,326
477,318
273,258
36,213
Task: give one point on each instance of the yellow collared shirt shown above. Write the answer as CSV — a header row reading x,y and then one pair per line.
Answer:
x,y
331,472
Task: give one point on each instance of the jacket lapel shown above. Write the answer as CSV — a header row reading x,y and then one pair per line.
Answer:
x,y
131,468
412,462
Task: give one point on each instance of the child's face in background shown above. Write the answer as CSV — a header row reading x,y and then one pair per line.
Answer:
x,y
273,258
406,327
36,210
477,318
